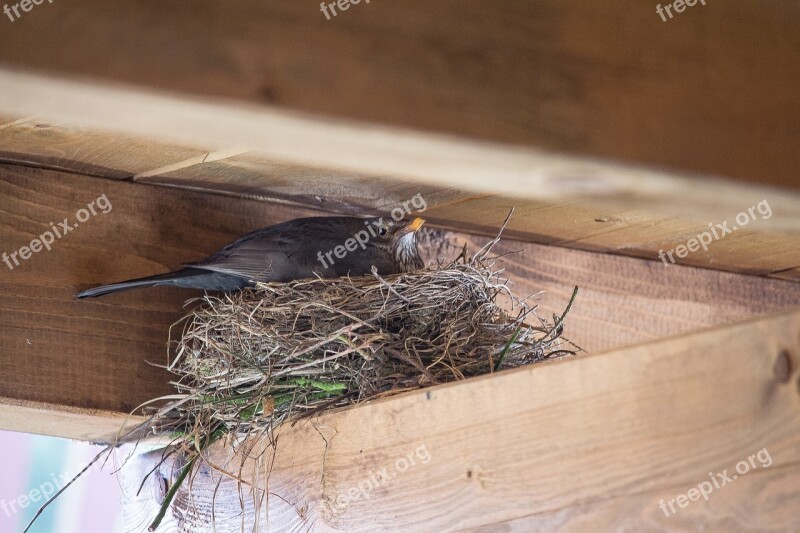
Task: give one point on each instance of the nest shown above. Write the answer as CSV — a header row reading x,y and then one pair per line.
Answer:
x,y
248,361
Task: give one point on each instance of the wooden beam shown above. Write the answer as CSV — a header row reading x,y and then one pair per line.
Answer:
x,y
77,355
369,150
766,244
650,220
711,90
66,421
761,503
41,144
595,440
624,301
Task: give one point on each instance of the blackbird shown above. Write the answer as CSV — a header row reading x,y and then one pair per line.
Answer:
x,y
327,247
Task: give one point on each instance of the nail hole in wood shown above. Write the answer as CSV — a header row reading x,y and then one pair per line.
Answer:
x,y
783,367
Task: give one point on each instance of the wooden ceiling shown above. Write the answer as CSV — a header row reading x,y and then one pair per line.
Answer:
x,y
605,128
712,91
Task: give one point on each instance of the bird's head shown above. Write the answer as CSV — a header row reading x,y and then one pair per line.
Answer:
x,y
400,239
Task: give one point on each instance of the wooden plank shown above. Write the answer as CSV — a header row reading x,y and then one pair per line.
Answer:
x,y
614,433
94,355
604,79
69,422
253,176
9,122
764,501
623,300
59,147
792,274
97,355
375,151
650,220
767,243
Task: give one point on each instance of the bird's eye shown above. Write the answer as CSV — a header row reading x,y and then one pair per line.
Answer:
x,y
383,230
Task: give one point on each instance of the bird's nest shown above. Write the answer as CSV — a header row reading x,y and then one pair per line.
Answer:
x,y
249,361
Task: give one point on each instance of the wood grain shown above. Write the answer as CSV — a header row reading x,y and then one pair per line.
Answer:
x,y
66,421
768,243
42,144
95,354
253,176
594,441
761,502
712,90
622,300
643,218
98,355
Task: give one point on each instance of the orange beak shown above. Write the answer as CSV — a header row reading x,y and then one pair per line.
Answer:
x,y
415,224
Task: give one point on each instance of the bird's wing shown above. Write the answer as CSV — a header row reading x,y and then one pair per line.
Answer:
x,y
280,253
249,263
257,257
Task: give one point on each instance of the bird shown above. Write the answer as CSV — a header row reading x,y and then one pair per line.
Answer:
x,y
326,247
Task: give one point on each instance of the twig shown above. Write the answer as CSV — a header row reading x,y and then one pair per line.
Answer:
x,y
71,481
480,255
507,347
560,320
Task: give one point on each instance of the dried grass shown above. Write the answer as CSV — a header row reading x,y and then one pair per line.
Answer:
x,y
248,361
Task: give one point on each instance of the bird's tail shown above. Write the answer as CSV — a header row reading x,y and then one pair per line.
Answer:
x,y
190,278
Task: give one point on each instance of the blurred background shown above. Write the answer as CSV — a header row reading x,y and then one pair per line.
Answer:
x,y
32,464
